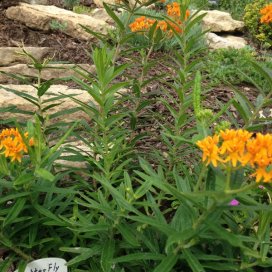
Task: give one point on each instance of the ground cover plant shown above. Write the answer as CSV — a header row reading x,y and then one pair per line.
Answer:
x,y
166,182
258,21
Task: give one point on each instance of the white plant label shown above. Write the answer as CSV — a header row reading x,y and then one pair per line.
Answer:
x,y
47,265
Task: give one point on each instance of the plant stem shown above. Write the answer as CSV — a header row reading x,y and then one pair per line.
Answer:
x,y
12,247
241,190
200,178
228,178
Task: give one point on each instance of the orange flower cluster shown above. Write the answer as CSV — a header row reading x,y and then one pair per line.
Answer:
x,y
240,147
266,13
12,144
141,23
173,10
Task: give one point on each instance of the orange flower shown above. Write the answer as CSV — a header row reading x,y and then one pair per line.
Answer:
x,y
210,150
233,146
239,147
12,144
260,150
262,174
162,25
141,23
173,10
266,13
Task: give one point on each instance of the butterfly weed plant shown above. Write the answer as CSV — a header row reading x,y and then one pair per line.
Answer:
x,y
199,201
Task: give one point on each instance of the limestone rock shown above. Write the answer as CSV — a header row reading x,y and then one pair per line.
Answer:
x,y
99,3
101,14
216,42
41,17
9,55
53,71
10,99
219,21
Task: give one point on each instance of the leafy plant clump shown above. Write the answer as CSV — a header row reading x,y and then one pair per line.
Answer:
x,y
149,179
258,28
231,65
235,8
81,9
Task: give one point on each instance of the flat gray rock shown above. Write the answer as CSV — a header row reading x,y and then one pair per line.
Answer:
x,y
8,98
12,55
52,71
227,41
42,17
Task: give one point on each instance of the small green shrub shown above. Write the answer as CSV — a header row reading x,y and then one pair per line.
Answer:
x,y
262,32
80,9
236,8
56,25
231,65
199,3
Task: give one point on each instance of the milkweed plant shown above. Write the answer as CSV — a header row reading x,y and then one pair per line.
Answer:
x,y
165,182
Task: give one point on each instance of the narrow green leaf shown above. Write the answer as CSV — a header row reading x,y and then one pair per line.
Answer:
x,y
192,261
128,234
114,17
107,255
167,264
15,211
45,174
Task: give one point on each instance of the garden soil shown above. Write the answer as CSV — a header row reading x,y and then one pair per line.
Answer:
x,y
66,49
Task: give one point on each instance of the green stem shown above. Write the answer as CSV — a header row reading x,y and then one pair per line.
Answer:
x,y
228,178
15,249
240,190
117,50
200,178
203,217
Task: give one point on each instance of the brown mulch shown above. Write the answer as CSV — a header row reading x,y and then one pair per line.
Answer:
x,y
65,48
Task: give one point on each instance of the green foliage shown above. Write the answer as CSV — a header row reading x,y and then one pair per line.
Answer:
x,y
133,207
31,196
82,9
166,42
260,31
231,65
203,4
236,8
56,25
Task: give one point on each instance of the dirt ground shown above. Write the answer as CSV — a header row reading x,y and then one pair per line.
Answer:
x,y
13,33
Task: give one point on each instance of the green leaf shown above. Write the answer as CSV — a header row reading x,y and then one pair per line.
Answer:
x,y
167,264
192,261
107,255
265,72
85,253
128,234
114,17
138,257
99,36
59,143
49,215
15,211
23,179
143,189
45,174
42,89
